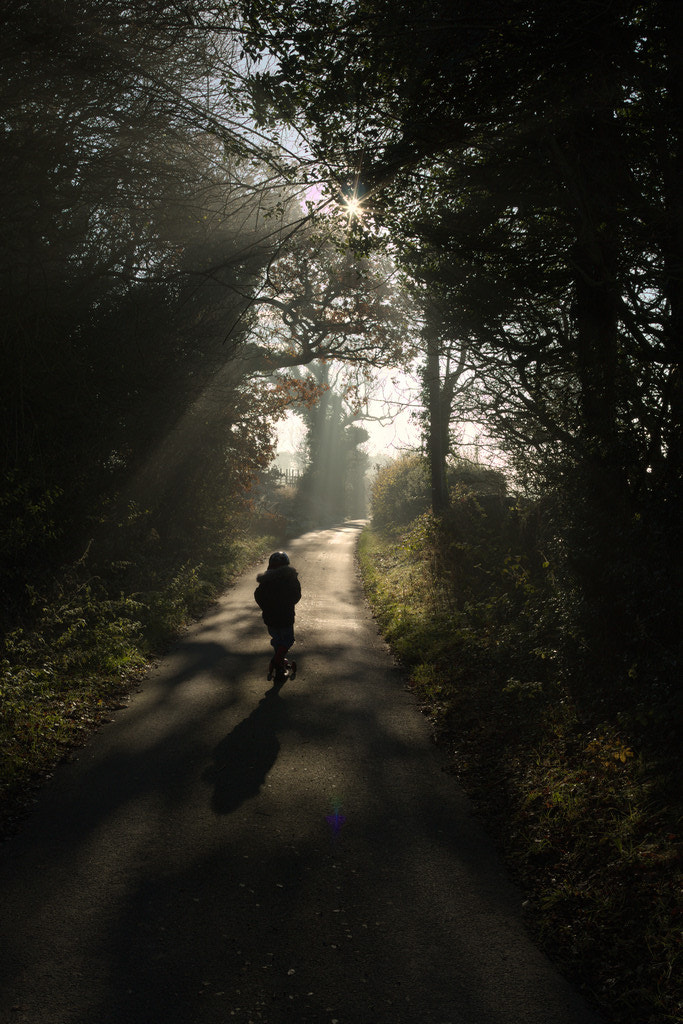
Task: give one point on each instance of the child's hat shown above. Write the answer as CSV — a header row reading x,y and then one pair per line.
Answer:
x,y
278,558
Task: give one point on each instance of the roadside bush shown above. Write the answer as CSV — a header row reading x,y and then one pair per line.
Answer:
x,y
480,479
400,492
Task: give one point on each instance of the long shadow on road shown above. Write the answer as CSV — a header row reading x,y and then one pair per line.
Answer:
x,y
243,759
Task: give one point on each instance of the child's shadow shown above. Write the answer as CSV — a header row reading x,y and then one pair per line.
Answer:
x,y
243,759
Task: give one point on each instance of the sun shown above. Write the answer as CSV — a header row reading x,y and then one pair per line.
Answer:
x,y
354,207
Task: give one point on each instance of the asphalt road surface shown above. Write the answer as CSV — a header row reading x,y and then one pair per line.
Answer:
x,y
225,851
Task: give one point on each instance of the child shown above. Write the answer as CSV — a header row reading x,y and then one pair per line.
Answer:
x,y
277,592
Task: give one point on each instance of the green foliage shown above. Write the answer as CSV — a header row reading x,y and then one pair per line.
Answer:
x,y
60,676
400,491
27,518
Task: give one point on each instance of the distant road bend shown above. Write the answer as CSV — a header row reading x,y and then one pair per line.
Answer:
x,y
228,852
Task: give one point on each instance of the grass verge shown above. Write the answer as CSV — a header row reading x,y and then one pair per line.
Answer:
x,y
90,641
586,821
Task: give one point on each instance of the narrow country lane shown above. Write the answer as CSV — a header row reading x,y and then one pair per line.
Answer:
x,y
227,852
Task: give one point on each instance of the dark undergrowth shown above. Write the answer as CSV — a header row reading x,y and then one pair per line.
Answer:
x,y
582,796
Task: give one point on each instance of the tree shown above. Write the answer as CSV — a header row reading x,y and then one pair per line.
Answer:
x,y
135,191
333,484
446,378
318,300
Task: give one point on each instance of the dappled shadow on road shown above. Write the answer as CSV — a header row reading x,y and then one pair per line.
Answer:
x,y
323,705
276,919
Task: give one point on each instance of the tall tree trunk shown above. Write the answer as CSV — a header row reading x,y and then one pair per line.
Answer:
x,y
596,265
598,498
437,430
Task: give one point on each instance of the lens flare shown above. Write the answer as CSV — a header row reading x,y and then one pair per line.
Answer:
x,y
335,820
354,207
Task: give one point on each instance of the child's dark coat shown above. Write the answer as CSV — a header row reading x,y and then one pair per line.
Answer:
x,y
277,593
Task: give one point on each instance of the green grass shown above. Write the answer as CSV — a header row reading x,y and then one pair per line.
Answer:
x,y
84,650
587,822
